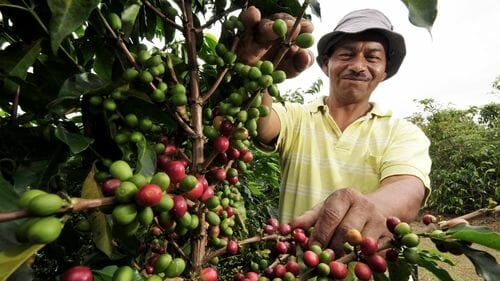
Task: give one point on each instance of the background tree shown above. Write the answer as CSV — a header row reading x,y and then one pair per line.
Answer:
x,y
465,152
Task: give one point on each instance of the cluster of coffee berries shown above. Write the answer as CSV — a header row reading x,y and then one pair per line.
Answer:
x,y
405,241
43,226
442,240
303,40
289,256
367,258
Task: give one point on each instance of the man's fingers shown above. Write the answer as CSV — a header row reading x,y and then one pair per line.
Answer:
x,y
306,26
307,219
352,219
332,213
295,61
250,17
265,34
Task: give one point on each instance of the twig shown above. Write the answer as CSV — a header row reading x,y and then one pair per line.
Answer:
x,y
162,15
216,18
119,41
215,85
15,106
473,215
80,205
254,239
178,249
209,160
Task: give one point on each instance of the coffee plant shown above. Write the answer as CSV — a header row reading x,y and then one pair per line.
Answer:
x,y
125,158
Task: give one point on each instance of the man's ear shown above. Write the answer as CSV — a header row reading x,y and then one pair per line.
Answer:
x,y
325,66
385,75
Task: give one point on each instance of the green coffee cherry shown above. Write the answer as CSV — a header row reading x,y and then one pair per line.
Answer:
x,y
44,230
130,74
27,196
162,263
45,204
125,192
278,76
175,268
120,170
115,21
304,40
145,216
146,76
22,230
280,28
124,214
123,273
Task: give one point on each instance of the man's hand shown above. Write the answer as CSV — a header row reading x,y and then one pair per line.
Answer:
x,y
259,42
400,196
342,210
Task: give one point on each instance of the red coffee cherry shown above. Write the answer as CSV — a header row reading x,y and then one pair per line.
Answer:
x,y
368,246
338,270
362,271
377,263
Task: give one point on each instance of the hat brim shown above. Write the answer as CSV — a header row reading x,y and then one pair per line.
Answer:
x,y
395,53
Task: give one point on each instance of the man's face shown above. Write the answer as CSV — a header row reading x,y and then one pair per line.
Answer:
x,y
355,68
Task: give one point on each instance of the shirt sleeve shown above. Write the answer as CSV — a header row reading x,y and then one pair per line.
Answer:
x,y
408,154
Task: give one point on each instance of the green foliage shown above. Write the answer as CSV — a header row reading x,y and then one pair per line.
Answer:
x,y
465,150
422,12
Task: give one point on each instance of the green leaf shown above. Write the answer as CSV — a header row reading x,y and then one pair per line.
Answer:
x,y
429,264
436,256
76,142
66,17
15,61
146,162
380,277
129,16
101,231
315,8
8,200
485,264
80,84
103,64
476,234
422,13
13,258
399,270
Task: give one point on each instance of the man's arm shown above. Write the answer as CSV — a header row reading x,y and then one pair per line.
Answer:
x,y
399,196
268,127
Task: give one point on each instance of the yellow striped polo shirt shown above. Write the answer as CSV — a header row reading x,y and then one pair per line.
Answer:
x,y
317,158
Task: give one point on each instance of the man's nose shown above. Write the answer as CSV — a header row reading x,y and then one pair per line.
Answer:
x,y
358,63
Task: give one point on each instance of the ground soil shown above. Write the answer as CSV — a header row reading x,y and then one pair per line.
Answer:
x,y
463,269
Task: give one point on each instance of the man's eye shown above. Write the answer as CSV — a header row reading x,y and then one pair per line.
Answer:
x,y
345,55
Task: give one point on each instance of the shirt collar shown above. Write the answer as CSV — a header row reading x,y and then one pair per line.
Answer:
x,y
319,105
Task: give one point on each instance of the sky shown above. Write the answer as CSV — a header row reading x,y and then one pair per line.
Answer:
x,y
456,66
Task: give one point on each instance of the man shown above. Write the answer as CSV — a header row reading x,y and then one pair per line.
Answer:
x,y
347,162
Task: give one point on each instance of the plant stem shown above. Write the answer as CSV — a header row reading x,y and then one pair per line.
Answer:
x,y
162,15
250,240
198,243
80,205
